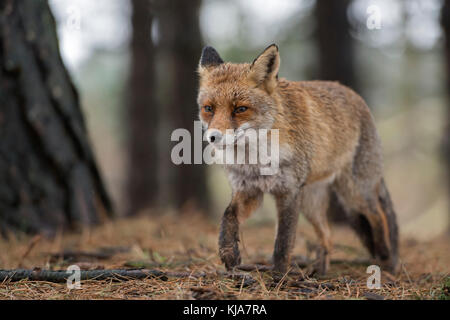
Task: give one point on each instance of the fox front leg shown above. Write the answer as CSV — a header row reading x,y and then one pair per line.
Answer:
x,y
229,238
241,206
288,212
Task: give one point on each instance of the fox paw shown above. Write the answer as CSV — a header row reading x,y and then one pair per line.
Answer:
x,y
321,265
280,268
390,265
230,256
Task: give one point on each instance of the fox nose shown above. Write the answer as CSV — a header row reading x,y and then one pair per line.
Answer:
x,y
214,136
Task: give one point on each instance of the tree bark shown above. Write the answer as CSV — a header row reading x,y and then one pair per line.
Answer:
x,y
445,22
179,50
49,178
143,114
335,45
336,59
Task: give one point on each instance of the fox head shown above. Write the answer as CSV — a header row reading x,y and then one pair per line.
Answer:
x,y
235,97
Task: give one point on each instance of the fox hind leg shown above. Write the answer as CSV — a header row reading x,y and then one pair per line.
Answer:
x,y
315,200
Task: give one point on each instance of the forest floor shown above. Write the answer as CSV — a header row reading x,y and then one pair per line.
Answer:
x,y
186,248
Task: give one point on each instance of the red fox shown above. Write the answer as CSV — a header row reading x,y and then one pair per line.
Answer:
x,y
330,157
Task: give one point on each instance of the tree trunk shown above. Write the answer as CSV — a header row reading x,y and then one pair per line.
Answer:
x,y
335,45
179,50
336,59
49,179
445,21
143,114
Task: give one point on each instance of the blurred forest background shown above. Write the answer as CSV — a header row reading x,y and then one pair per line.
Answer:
x,y
133,63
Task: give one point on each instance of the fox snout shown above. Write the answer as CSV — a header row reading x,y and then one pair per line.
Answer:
x,y
219,138
214,136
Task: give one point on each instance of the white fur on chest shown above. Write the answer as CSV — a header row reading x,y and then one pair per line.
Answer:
x,y
248,177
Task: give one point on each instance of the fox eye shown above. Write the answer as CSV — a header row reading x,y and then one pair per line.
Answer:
x,y
208,108
240,109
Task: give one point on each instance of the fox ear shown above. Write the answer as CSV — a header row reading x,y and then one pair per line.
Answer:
x,y
209,58
264,69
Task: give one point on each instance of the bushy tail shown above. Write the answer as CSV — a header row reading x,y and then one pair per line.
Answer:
x,y
386,204
371,234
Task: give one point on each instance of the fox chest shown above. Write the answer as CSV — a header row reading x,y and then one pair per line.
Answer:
x,y
249,177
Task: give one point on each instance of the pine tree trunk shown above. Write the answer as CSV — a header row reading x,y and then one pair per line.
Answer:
x,y
48,176
336,59
143,114
335,45
445,21
179,50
